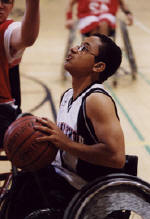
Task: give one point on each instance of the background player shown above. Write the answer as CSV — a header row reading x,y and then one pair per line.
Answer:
x,y
96,16
14,38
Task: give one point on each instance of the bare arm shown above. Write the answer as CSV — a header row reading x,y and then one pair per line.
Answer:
x,y
26,34
110,152
126,10
69,10
70,5
108,130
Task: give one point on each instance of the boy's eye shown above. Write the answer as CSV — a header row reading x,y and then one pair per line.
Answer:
x,y
83,48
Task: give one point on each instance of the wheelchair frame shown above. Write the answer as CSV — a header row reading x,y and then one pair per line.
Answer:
x,y
129,53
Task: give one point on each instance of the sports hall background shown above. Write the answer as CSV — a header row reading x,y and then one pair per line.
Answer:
x,y
41,75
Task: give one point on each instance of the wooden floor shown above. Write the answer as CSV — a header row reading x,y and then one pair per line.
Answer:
x,y
41,74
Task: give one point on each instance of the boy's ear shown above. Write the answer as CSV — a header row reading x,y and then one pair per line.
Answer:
x,y
99,67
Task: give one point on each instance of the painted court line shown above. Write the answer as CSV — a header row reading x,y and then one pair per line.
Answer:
x,y
138,133
142,26
135,129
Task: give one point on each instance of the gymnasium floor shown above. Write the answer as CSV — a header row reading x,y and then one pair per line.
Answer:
x,y
41,75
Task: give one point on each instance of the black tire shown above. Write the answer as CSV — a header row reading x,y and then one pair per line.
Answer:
x,y
113,196
128,49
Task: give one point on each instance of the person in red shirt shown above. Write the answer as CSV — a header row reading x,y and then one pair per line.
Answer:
x,y
96,16
14,38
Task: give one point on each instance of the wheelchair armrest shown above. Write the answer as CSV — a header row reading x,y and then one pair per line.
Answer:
x,y
131,165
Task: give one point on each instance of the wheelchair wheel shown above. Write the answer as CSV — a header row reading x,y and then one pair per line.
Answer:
x,y
45,214
128,49
116,196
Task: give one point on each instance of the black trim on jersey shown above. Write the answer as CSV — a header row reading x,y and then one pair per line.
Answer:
x,y
86,130
70,103
101,90
95,82
84,124
63,95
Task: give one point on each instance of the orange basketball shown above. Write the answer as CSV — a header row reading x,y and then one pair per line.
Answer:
x,y
22,149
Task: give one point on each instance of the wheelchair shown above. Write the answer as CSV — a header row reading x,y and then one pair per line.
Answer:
x,y
117,195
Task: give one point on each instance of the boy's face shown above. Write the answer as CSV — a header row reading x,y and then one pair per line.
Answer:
x,y
5,9
81,59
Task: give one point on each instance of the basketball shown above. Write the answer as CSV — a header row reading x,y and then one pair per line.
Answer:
x,y
22,149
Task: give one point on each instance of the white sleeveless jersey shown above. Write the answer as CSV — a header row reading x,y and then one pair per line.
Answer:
x,y
72,120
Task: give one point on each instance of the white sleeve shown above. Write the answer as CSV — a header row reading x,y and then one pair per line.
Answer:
x,y
7,36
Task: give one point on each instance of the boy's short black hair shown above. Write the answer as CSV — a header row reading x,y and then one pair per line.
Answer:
x,y
110,54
